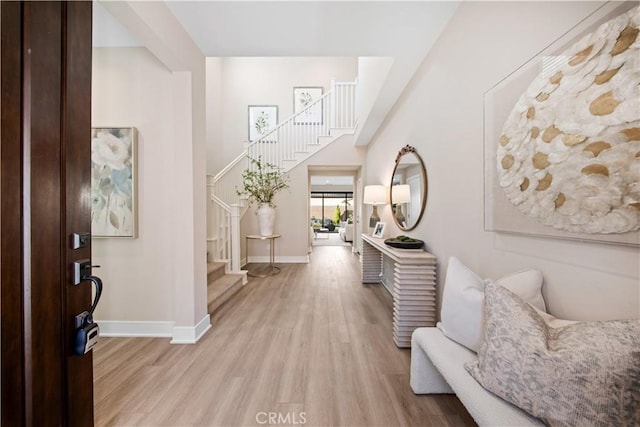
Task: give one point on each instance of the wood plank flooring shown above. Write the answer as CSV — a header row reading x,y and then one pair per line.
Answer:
x,y
311,345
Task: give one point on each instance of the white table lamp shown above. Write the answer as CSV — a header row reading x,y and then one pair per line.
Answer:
x,y
374,195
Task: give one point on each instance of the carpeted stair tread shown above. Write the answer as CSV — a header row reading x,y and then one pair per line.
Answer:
x,y
222,289
215,270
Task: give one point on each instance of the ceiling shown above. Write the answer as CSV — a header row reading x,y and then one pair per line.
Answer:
x,y
310,28
403,31
296,28
108,31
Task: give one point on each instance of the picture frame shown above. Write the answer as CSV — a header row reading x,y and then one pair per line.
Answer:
x,y
114,182
261,120
500,215
303,97
378,230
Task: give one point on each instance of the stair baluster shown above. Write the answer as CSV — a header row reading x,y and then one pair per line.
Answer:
x,y
288,144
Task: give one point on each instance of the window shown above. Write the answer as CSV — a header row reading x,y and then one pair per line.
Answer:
x,y
324,208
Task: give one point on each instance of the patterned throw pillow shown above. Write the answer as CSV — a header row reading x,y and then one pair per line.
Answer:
x,y
583,374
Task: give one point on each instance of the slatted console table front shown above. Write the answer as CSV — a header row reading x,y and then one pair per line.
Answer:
x,y
410,277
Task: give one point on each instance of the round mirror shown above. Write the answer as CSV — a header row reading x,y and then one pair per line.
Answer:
x,y
408,189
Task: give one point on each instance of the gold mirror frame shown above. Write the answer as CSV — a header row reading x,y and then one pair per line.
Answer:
x,y
424,184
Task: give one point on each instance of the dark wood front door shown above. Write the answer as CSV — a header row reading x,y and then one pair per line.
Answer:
x,y
45,196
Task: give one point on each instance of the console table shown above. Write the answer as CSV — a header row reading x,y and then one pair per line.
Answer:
x,y
410,277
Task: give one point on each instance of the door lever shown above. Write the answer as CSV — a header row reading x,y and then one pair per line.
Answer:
x,y
87,331
98,284
82,268
81,272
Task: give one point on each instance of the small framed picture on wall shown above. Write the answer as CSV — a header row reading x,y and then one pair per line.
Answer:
x,y
305,102
262,118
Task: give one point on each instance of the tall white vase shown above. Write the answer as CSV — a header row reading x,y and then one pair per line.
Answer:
x,y
266,219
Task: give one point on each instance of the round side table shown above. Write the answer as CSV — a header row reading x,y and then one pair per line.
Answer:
x,y
272,269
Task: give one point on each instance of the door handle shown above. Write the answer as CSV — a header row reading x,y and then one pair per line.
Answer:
x,y
98,284
81,272
87,332
81,269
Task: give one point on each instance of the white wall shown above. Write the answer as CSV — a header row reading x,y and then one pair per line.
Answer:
x,y
372,73
330,188
214,119
152,278
441,114
137,273
292,212
265,81
153,24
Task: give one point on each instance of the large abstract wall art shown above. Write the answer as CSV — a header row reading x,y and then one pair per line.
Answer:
x,y
568,154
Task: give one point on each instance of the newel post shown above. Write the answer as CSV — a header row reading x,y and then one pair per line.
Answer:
x,y
235,238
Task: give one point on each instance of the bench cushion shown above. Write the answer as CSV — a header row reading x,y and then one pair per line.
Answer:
x,y
449,358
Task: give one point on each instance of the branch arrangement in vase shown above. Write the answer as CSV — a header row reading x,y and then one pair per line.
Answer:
x,y
262,181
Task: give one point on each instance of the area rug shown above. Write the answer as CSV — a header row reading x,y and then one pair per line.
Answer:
x,y
329,239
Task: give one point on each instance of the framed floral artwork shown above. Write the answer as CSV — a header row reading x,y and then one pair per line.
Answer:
x,y
305,102
262,118
113,182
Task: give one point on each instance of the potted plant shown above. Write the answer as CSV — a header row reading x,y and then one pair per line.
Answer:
x,y
260,183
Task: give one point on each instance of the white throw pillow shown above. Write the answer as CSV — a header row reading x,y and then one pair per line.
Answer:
x,y
462,314
552,321
462,305
527,285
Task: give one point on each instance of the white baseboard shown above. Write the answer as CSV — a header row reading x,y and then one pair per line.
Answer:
x,y
179,334
191,334
114,328
282,259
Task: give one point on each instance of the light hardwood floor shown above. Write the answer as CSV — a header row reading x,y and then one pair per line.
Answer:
x,y
310,344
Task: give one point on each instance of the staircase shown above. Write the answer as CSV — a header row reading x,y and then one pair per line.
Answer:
x,y
221,286
285,146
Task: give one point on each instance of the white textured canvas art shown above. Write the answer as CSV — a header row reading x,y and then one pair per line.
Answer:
x,y
568,153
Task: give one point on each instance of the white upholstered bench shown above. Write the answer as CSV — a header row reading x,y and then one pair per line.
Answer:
x,y
437,366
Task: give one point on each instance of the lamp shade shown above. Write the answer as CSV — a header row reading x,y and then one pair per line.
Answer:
x,y
375,195
401,193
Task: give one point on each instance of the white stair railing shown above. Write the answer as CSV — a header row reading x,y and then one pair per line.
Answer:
x,y
228,209
344,105
284,146
297,135
226,181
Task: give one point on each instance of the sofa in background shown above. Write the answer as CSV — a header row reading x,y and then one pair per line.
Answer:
x,y
346,231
